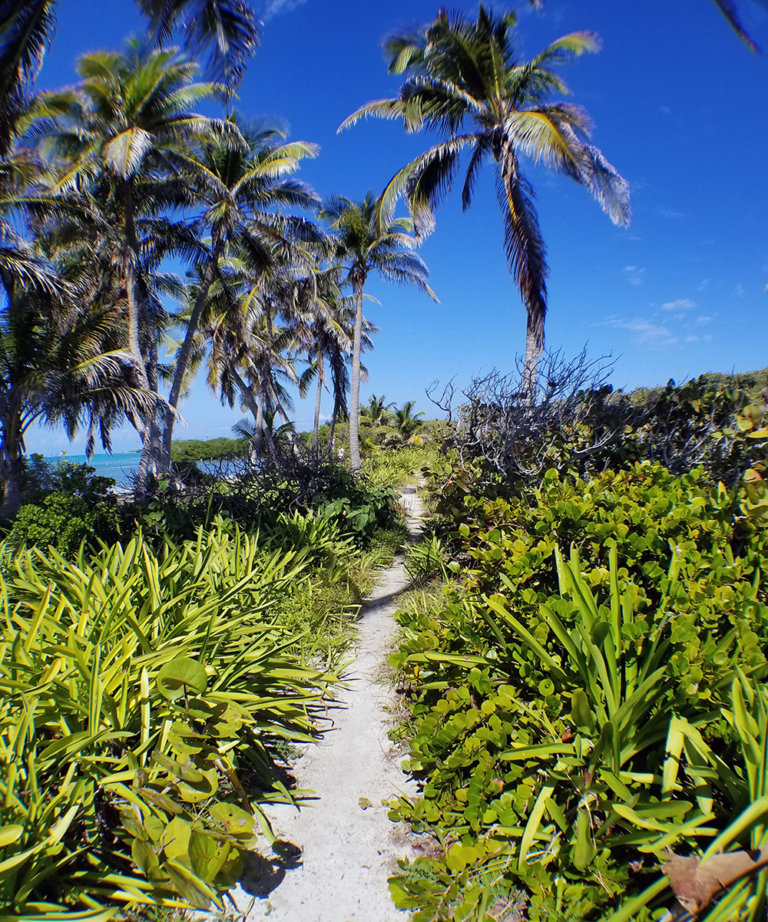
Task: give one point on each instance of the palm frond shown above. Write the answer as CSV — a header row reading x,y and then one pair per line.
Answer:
x,y
227,30
524,248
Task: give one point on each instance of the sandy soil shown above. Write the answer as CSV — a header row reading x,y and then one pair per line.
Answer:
x,y
333,857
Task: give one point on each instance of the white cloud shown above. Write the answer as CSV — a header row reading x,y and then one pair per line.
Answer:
x,y
703,320
740,290
703,284
274,8
681,305
645,332
634,274
670,213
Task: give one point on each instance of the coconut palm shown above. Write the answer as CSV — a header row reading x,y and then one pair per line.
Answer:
x,y
60,363
364,244
325,327
376,411
122,130
26,31
61,359
227,30
242,181
464,80
406,420
251,352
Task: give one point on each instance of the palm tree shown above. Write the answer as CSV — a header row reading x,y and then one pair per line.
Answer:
x,y
124,125
324,330
377,410
227,29
26,31
406,420
61,355
251,353
242,181
60,363
463,79
365,243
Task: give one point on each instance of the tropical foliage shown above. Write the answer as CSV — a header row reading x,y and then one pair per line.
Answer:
x,y
587,695
145,692
464,80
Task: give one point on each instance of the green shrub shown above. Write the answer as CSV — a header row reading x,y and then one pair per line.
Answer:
x,y
141,697
573,719
42,477
360,507
64,521
510,441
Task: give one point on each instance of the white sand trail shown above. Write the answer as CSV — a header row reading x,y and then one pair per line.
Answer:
x,y
341,847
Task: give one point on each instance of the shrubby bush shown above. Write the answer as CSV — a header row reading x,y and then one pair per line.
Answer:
x,y
64,521
579,423
192,450
259,497
66,504
589,692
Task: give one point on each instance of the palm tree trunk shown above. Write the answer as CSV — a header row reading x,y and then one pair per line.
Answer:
x,y
150,436
354,407
257,439
11,466
534,347
255,410
180,369
318,400
153,443
332,429
530,270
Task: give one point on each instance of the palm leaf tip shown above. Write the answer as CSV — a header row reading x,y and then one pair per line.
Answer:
x,y
729,10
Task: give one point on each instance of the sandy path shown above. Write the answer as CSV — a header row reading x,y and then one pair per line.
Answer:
x,y
339,849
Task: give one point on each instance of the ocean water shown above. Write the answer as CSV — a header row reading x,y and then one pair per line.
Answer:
x,y
120,467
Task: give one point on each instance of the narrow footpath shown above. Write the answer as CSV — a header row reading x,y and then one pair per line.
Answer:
x,y
333,857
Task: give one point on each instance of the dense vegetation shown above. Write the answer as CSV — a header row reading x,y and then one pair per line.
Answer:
x,y
588,690
149,687
208,449
586,686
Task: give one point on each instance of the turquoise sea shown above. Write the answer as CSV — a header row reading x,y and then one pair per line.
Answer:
x,y
120,467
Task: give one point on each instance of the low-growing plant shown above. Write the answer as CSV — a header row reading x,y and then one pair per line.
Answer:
x,y
360,508
400,466
141,696
548,780
64,521
573,719
427,558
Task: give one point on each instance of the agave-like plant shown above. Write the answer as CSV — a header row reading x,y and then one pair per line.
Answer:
x,y
139,693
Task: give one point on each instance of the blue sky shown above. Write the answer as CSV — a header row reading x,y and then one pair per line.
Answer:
x,y
680,108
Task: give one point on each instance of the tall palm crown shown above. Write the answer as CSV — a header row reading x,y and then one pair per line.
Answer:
x,y
121,132
368,240
26,31
242,180
463,79
227,29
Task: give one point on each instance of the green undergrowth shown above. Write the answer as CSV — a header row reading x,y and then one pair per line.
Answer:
x,y
399,467
588,694
148,691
